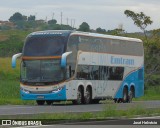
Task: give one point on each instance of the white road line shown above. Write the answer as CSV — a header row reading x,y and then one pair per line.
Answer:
x,y
16,107
151,117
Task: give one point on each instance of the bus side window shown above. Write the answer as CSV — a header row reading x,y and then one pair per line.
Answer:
x,y
116,73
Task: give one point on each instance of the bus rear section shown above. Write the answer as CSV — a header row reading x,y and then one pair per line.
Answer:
x,y
105,67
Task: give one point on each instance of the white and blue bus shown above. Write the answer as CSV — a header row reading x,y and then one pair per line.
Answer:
x,y
80,67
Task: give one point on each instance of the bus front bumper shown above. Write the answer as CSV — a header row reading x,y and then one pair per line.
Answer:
x,y
58,95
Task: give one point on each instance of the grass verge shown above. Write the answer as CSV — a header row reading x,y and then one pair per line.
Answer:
x,y
109,112
152,93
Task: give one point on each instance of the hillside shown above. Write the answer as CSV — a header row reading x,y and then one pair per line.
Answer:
x,y
11,42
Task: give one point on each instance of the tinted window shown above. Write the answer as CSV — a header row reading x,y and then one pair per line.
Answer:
x,y
44,46
72,46
41,71
115,73
104,45
94,72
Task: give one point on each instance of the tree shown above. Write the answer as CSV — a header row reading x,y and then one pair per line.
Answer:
x,y
100,30
152,59
16,17
140,20
53,21
152,47
84,27
31,18
116,32
24,18
19,19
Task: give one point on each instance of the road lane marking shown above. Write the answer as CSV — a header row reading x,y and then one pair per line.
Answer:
x,y
16,107
151,117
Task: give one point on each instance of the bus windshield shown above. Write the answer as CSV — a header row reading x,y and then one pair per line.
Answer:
x,y
44,46
41,71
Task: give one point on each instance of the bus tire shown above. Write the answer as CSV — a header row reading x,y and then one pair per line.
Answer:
x,y
125,95
88,95
131,94
79,99
119,100
40,102
49,102
95,101
115,100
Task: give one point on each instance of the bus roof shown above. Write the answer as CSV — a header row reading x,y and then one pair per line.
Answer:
x,y
105,36
51,32
72,32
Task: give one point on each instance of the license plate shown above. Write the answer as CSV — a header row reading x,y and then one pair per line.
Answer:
x,y
40,97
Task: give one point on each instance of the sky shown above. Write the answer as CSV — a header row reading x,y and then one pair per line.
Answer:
x,y
107,14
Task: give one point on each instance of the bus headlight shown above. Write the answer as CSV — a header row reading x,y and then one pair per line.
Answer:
x,y
57,90
25,91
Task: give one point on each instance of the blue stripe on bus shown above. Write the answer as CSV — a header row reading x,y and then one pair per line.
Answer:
x,y
135,79
61,95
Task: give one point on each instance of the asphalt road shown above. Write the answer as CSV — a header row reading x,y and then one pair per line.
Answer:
x,y
60,108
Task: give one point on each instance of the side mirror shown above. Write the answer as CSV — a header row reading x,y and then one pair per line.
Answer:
x,y
64,58
14,58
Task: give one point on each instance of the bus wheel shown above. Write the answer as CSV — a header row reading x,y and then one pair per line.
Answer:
x,y
131,94
49,102
40,102
119,100
79,97
95,101
88,96
125,95
115,100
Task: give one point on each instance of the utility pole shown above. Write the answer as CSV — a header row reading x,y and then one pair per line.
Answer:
x,y
35,15
71,22
67,20
74,22
46,20
52,15
61,18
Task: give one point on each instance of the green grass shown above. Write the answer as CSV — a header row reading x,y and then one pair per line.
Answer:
x,y
9,83
19,33
10,93
6,71
152,93
11,42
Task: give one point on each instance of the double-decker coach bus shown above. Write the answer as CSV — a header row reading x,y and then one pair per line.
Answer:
x,y
81,67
